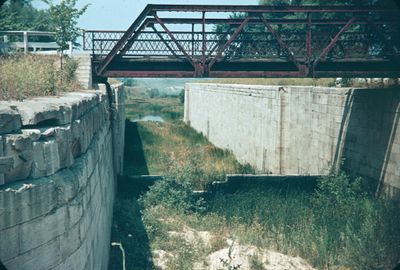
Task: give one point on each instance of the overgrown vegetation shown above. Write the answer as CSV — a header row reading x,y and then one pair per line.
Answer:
x,y
335,227
33,75
334,224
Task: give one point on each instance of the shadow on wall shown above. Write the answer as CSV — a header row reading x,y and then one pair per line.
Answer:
x,y
135,161
2,267
129,230
367,133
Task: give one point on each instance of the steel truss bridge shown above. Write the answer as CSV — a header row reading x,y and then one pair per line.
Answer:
x,y
251,41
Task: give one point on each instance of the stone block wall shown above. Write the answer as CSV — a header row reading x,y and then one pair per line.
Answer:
x,y
58,177
302,130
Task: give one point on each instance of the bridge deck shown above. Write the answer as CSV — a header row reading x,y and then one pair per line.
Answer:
x,y
264,41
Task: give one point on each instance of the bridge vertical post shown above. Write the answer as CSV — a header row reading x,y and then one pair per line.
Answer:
x,y
93,43
26,48
309,43
192,39
203,56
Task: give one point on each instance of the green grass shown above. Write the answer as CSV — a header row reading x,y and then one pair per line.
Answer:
x,y
34,75
173,146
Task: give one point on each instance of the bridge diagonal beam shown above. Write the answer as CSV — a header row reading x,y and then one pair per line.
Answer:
x,y
120,44
333,42
134,37
172,37
164,41
229,42
309,40
215,47
281,43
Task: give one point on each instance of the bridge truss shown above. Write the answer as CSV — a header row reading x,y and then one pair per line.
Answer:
x,y
251,41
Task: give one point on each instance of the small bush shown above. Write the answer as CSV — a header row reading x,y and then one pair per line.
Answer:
x,y
337,196
256,263
34,75
171,194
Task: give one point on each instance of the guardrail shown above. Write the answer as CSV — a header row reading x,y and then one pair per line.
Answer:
x,y
29,41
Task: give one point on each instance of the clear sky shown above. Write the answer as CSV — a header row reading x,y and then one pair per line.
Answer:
x,y
120,14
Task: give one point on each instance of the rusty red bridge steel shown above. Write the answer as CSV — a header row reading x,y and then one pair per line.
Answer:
x,y
251,41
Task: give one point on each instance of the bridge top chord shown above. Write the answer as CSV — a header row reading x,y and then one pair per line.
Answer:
x,y
251,41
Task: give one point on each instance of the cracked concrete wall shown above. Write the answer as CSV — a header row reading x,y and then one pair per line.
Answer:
x,y
302,130
57,161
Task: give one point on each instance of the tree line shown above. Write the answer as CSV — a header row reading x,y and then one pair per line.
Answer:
x,y
18,15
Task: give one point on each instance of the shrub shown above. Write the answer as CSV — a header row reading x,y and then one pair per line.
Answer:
x,y
171,194
338,192
256,263
34,75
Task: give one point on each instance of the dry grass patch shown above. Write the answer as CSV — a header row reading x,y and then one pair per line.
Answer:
x,y
35,75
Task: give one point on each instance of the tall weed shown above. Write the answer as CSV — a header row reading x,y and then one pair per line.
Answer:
x,y
34,75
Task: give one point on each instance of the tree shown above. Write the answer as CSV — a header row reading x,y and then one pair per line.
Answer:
x,y
65,16
21,15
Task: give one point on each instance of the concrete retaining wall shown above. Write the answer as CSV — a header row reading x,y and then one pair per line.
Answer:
x,y
58,164
302,130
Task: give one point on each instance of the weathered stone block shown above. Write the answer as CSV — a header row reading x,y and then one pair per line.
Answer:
x,y
75,211
70,242
33,112
10,249
63,136
10,120
77,260
6,164
41,258
67,186
46,158
19,147
33,234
